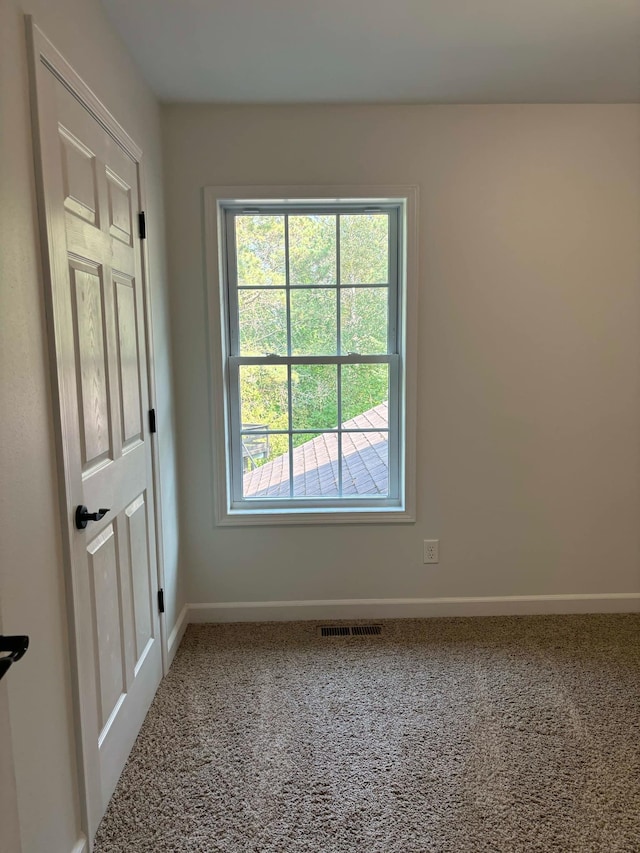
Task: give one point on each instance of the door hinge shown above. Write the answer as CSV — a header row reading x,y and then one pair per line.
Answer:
x,y
142,225
161,600
152,421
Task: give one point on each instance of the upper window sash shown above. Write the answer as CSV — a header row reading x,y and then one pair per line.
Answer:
x,y
393,210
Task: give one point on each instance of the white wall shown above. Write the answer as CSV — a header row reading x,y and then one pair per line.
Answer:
x,y
32,581
529,348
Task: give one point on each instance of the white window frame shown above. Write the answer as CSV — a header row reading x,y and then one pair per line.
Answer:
x,y
224,409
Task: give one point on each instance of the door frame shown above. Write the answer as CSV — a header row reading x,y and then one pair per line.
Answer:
x,y
9,816
45,59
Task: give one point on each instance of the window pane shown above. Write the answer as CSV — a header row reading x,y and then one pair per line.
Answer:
x,y
364,319
364,248
314,396
265,466
365,463
263,396
365,395
260,249
315,465
263,322
312,249
313,322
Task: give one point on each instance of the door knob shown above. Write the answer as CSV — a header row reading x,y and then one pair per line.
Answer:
x,y
11,650
83,516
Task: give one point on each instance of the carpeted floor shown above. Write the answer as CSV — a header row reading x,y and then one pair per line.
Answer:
x,y
457,736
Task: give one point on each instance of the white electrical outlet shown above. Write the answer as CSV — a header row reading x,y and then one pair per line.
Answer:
x,y
431,550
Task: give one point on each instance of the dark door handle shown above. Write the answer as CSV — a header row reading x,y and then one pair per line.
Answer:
x,y
11,650
83,516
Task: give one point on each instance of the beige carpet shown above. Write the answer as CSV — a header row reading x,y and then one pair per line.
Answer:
x,y
464,736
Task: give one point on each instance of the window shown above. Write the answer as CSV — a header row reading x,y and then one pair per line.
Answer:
x,y
312,355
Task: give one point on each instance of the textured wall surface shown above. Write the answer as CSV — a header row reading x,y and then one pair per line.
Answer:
x,y
528,399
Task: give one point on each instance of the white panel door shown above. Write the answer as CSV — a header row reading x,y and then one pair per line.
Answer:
x,y
91,197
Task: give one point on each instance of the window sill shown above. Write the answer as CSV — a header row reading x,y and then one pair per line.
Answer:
x,y
315,516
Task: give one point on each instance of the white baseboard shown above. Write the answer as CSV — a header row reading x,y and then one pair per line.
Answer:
x,y
177,633
413,608
80,846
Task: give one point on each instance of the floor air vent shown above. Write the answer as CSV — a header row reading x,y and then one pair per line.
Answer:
x,y
349,630
366,630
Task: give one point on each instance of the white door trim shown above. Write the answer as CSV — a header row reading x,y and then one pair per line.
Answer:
x,y
44,59
9,818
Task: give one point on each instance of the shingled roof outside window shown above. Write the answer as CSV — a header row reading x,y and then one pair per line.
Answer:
x,y
315,463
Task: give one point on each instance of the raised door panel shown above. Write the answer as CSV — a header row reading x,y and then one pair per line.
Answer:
x,y
128,359
120,208
106,606
78,177
91,364
138,546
